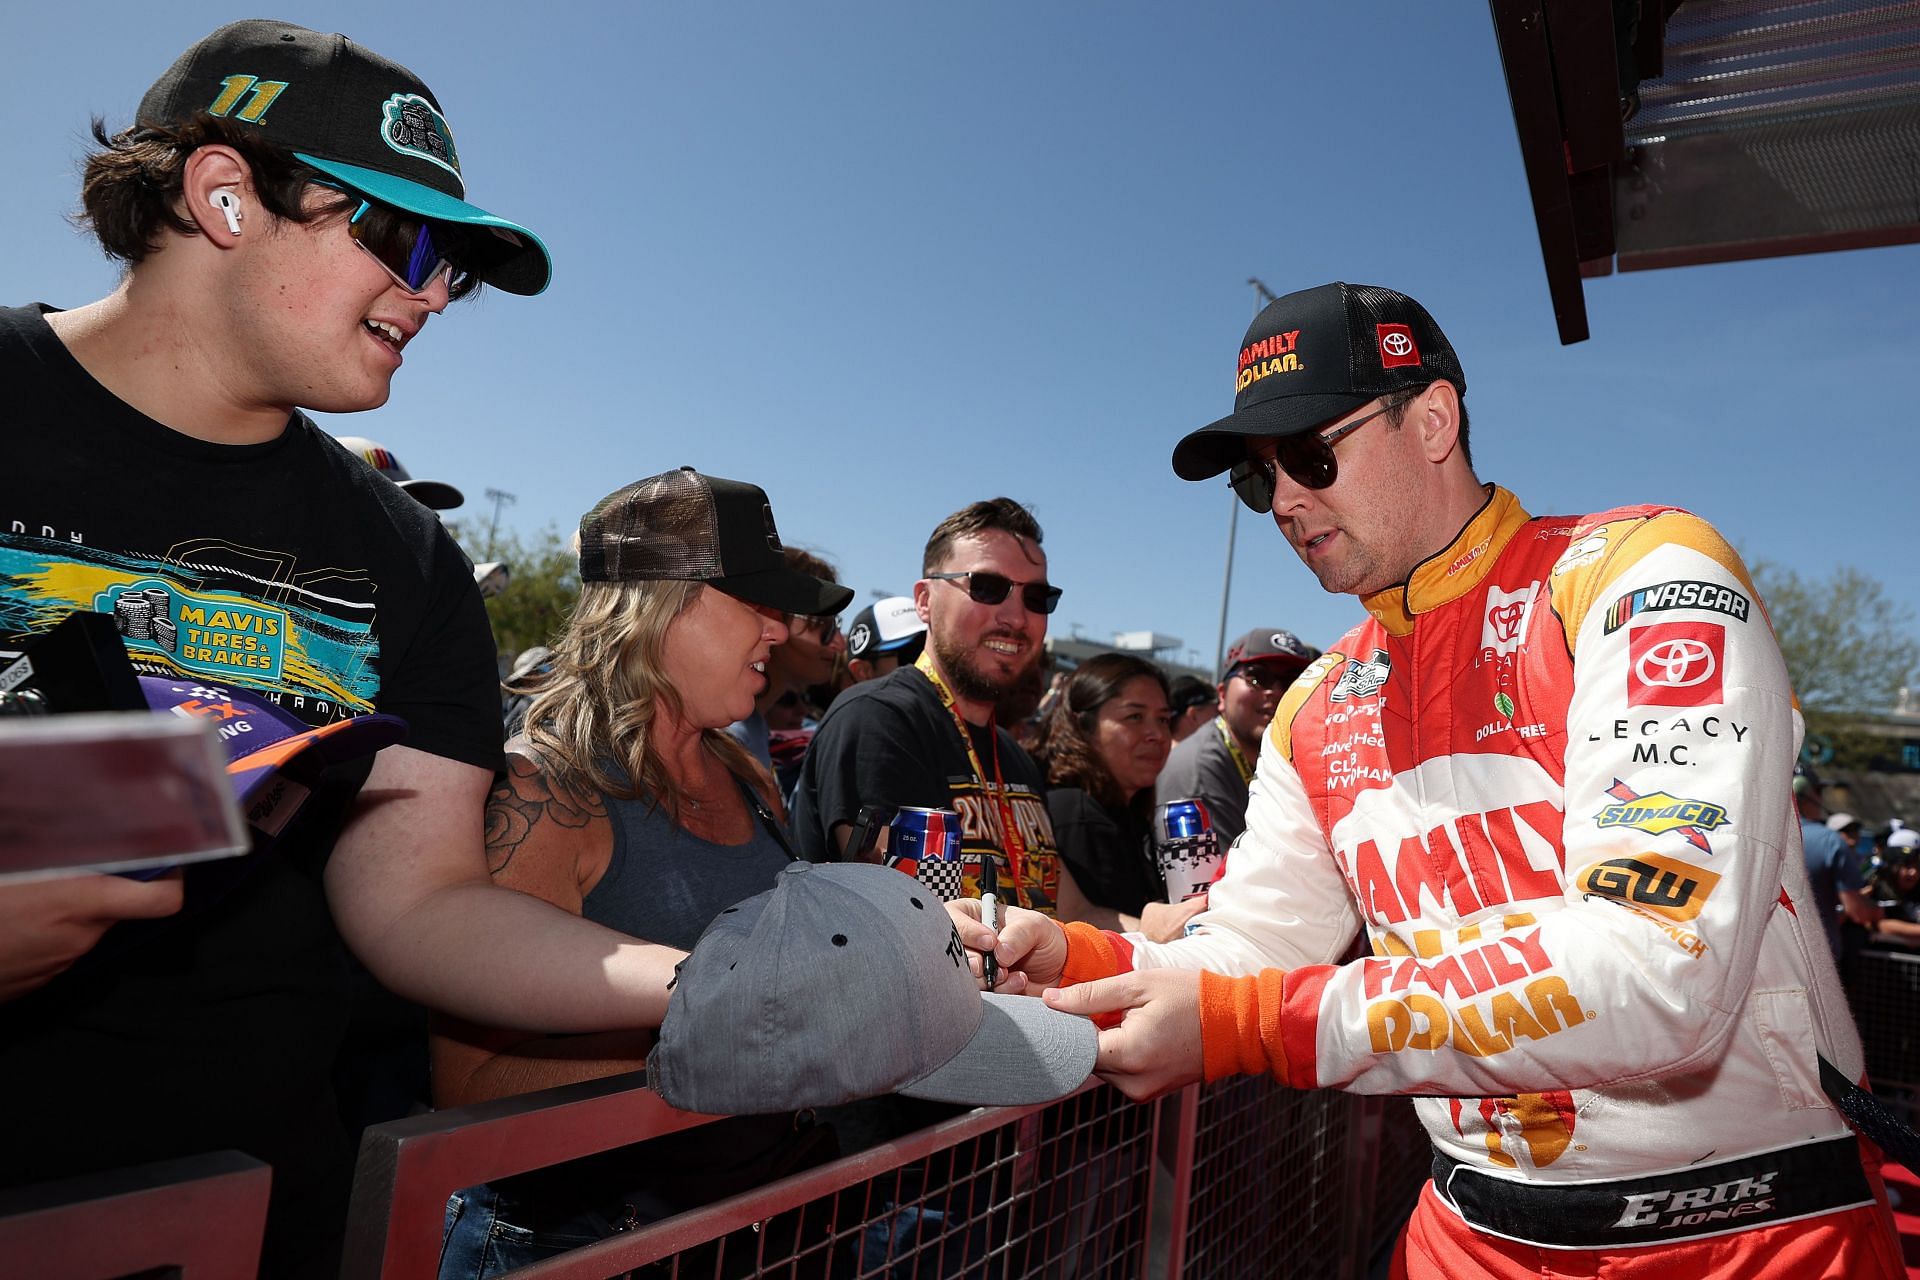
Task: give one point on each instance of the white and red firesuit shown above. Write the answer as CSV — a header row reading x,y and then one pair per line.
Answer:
x,y
1549,778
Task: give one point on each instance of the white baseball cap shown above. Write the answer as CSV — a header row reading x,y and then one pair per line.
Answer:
x,y
884,626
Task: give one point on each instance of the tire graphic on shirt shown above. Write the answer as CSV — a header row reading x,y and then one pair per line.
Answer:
x,y
201,619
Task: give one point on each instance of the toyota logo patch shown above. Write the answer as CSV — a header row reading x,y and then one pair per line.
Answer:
x,y
1397,346
1676,664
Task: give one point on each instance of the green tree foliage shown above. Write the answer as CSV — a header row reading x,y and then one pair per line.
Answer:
x,y
1849,648
544,581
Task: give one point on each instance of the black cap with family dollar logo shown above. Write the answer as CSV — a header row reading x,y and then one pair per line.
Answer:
x,y
357,117
681,526
1314,355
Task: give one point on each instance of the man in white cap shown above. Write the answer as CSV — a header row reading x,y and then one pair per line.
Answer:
x,y
886,635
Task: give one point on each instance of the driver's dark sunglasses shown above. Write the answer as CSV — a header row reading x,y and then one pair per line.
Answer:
x,y
991,588
411,249
1307,458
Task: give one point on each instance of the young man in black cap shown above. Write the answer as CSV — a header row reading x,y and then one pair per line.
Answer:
x,y
1193,703
291,210
1216,764
1548,777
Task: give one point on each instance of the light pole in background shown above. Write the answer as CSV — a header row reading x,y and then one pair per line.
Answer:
x,y
1262,296
499,498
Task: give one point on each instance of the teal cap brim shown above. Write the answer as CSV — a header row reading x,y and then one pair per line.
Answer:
x,y
523,265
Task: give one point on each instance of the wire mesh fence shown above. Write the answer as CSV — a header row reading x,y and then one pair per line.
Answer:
x,y
1884,989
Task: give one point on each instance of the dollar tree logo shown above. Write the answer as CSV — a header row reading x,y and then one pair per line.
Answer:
x,y
1503,704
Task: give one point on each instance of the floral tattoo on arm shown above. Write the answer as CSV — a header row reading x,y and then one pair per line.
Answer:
x,y
524,799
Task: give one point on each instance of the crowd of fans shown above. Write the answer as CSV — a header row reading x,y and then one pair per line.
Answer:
x,y
1863,880
701,726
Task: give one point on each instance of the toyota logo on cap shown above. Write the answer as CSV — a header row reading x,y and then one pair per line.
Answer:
x,y
1397,346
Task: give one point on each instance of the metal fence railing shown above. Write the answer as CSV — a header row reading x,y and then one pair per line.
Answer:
x,y
1243,1177
199,1218
1258,1179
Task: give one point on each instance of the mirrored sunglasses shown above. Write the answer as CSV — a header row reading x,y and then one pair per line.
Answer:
x,y
414,251
405,246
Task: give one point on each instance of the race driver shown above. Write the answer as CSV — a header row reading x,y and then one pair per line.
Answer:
x,y
1548,776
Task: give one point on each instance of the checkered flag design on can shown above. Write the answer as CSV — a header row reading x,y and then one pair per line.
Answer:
x,y
947,880
925,843
1186,847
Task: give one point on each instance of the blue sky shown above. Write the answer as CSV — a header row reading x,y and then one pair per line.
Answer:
x,y
884,259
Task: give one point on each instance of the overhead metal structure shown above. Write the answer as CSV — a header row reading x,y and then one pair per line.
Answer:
x,y
1662,133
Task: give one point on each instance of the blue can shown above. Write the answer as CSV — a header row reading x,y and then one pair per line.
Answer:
x,y
924,835
1184,820
1186,847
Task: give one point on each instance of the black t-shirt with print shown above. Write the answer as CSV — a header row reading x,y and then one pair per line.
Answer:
x,y
289,571
892,741
1109,851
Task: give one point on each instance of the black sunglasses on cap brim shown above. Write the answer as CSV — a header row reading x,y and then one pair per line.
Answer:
x,y
992,588
1306,457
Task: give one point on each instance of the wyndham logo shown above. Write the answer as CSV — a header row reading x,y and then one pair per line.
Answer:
x,y
414,127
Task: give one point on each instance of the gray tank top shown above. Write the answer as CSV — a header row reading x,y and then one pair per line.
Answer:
x,y
664,885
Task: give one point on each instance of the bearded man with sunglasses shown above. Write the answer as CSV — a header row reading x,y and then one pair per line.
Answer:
x,y
925,735
291,213
1547,777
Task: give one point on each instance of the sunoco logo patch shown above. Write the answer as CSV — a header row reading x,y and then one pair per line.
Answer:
x,y
1660,812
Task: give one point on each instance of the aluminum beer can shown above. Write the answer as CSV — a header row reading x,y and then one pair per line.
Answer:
x,y
925,835
925,843
1186,847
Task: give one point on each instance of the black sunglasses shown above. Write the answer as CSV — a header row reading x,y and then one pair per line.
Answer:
x,y
1307,458
1262,677
992,588
823,626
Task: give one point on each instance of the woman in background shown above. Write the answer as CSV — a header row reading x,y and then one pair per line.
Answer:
x,y
1103,743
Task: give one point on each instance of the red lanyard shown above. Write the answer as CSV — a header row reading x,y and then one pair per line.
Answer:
x,y
1233,749
1015,847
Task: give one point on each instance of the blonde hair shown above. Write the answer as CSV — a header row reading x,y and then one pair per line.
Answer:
x,y
592,716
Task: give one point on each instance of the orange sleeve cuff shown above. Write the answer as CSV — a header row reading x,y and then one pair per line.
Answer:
x,y
1240,1022
1093,953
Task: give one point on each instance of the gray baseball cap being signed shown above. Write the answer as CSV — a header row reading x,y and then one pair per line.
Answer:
x,y
847,981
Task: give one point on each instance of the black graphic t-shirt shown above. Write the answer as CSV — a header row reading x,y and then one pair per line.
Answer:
x,y
891,741
1109,851
293,572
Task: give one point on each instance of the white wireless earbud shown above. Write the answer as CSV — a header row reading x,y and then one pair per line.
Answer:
x,y
229,204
